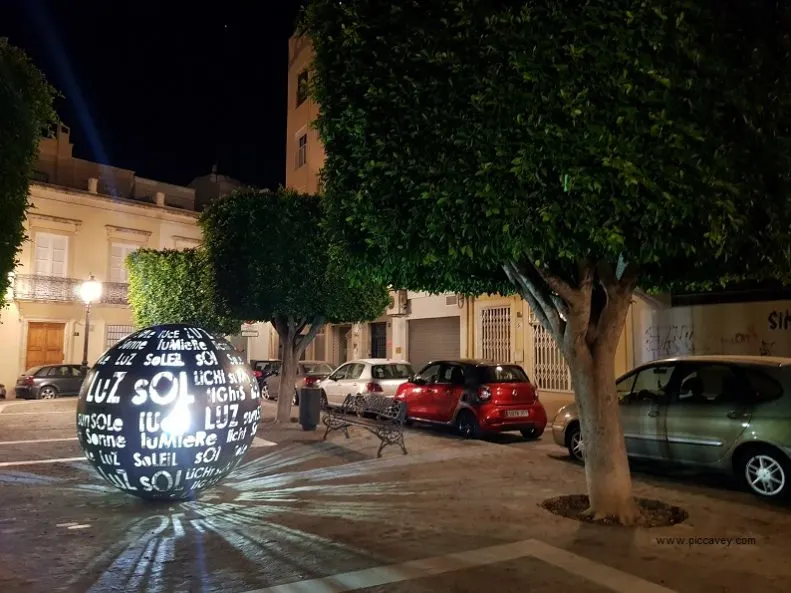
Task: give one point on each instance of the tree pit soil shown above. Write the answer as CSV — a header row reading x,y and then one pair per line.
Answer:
x,y
653,513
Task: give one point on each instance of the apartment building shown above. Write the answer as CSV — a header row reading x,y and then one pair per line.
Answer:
x,y
84,219
417,326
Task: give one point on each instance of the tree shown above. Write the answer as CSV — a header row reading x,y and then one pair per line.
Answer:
x,y
26,112
565,153
172,286
274,262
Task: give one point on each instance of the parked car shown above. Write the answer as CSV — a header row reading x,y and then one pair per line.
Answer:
x,y
50,381
380,376
309,374
724,413
264,371
475,397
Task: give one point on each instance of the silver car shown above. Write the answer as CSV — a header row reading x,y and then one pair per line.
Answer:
x,y
380,376
724,413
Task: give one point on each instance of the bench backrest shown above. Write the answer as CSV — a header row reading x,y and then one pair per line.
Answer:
x,y
381,406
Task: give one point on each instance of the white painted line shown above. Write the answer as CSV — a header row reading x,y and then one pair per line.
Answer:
x,y
38,441
41,461
601,574
86,526
15,414
262,443
66,524
416,569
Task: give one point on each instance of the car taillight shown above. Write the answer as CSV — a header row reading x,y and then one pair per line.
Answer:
x,y
308,381
373,388
258,374
29,380
484,393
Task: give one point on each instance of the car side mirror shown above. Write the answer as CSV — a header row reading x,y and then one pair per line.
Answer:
x,y
419,381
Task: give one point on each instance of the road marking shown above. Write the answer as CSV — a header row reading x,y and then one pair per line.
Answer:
x,y
611,578
257,442
74,525
15,414
41,461
25,442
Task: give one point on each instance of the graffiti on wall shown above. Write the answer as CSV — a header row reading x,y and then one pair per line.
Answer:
x,y
669,340
779,320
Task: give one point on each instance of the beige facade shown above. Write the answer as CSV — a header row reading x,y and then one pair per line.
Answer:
x,y
75,229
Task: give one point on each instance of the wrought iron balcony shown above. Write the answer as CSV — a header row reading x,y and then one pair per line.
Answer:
x,y
54,289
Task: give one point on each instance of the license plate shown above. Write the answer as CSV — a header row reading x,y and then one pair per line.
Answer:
x,y
517,413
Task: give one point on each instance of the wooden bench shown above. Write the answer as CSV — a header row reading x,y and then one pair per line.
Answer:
x,y
379,415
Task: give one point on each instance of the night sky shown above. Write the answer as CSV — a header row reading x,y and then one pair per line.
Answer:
x,y
166,88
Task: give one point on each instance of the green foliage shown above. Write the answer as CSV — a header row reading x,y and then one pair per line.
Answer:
x,y
172,286
272,257
464,133
26,112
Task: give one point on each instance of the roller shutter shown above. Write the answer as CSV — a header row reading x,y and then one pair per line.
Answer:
x,y
433,339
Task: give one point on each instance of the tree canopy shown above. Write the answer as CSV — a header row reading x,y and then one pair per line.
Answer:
x,y
273,261
26,112
172,286
462,134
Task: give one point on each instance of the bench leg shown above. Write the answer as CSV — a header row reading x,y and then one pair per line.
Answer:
x,y
326,432
401,443
346,431
382,445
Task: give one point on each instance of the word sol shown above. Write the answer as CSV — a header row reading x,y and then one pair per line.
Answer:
x,y
145,389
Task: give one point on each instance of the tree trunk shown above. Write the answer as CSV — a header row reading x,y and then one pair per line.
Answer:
x,y
606,465
288,376
294,344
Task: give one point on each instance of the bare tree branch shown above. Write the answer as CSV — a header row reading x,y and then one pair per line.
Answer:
x,y
538,295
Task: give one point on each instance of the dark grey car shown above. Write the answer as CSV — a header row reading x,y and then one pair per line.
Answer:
x,y
50,381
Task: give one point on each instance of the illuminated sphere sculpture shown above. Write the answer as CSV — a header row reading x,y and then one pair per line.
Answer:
x,y
167,412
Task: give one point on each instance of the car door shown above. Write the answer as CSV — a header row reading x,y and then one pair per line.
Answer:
x,y
642,404
708,411
419,398
333,386
273,369
351,384
443,395
74,382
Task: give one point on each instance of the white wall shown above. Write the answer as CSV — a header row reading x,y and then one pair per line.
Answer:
x,y
741,328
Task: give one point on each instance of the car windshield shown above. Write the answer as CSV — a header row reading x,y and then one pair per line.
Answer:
x,y
267,365
502,374
391,371
315,368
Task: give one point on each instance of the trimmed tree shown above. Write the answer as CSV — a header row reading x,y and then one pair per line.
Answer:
x,y
565,154
172,286
273,261
26,113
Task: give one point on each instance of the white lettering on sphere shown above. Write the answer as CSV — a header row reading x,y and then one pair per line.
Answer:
x,y
167,412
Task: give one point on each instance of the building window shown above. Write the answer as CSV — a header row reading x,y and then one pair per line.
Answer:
x,y
118,253
302,87
39,176
302,150
116,333
51,253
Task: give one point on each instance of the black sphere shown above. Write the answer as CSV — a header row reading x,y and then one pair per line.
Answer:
x,y
167,412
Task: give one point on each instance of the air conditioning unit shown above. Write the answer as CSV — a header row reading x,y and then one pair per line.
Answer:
x,y
399,302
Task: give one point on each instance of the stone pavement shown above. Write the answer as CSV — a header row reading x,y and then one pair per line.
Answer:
x,y
306,515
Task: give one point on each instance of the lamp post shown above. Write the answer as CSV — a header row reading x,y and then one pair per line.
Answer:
x,y
90,292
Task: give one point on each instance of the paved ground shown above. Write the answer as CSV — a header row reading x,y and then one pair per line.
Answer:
x,y
305,515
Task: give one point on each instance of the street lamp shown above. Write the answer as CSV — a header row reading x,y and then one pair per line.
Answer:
x,y
90,292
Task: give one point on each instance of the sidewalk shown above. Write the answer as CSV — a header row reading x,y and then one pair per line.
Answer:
x,y
479,494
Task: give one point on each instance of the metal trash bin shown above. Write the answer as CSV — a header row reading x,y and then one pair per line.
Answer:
x,y
309,407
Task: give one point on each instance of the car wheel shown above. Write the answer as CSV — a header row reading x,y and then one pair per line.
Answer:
x,y
531,434
467,425
574,442
48,392
767,473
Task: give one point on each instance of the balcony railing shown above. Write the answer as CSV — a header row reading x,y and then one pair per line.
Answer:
x,y
54,289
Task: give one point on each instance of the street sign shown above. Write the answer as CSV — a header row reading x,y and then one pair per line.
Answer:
x,y
249,333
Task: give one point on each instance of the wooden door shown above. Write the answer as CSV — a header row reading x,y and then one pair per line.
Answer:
x,y
44,344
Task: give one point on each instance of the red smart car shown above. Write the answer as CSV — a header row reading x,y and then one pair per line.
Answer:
x,y
475,397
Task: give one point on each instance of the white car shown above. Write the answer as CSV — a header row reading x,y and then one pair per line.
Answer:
x,y
381,376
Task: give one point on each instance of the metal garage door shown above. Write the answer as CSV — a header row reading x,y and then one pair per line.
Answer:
x,y
433,339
